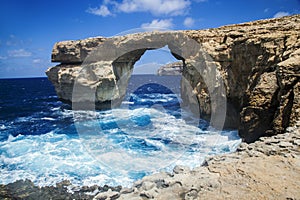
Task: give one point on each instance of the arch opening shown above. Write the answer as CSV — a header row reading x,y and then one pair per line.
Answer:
x,y
142,86
142,62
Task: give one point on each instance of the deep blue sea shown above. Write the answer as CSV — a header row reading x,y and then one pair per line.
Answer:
x,y
44,140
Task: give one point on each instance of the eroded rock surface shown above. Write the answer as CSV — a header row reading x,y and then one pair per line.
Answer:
x,y
260,65
266,169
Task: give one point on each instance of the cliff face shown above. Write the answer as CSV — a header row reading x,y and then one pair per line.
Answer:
x,y
254,67
260,64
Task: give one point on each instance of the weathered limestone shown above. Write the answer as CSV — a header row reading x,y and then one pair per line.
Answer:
x,y
266,169
74,51
107,69
170,69
258,62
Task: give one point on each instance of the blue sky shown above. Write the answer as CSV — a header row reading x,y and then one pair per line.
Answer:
x,y
29,28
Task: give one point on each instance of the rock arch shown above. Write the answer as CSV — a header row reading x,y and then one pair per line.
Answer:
x,y
118,56
101,78
258,61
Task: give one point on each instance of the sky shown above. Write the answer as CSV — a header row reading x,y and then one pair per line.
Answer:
x,y
30,28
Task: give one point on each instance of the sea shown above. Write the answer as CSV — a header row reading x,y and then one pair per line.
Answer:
x,y
45,141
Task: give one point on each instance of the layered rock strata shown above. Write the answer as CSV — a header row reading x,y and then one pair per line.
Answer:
x,y
260,65
253,67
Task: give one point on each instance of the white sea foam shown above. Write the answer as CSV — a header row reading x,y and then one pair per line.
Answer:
x,y
50,158
2,127
48,118
127,103
113,147
55,109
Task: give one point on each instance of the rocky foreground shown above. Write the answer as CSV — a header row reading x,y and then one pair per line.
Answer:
x,y
266,169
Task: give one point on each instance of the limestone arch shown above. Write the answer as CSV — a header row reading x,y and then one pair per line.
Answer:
x,y
117,56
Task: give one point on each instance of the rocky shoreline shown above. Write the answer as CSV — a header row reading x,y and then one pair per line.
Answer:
x,y
266,169
260,64
25,189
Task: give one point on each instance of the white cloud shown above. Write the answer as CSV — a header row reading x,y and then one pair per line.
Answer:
x,y
13,41
36,61
158,24
3,57
146,68
101,11
266,10
188,22
281,14
19,53
155,7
